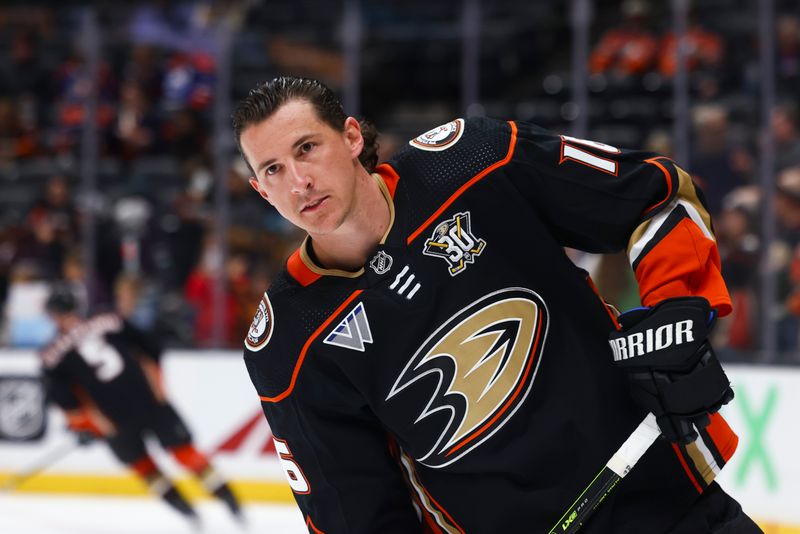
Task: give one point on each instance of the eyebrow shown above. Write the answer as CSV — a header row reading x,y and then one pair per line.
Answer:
x,y
296,144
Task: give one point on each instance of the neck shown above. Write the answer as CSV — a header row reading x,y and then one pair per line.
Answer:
x,y
67,322
348,247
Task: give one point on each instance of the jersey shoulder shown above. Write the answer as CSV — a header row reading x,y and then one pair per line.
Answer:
x,y
289,316
435,167
444,158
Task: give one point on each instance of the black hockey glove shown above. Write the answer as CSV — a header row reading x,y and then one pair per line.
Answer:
x,y
672,369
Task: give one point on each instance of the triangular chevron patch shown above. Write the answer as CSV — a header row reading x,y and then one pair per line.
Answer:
x,y
353,331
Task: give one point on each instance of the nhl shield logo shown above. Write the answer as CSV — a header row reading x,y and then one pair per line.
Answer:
x,y
454,241
381,262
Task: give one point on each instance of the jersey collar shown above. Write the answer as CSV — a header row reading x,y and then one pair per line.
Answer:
x,y
303,268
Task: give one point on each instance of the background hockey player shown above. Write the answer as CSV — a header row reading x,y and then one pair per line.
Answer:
x,y
104,373
430,360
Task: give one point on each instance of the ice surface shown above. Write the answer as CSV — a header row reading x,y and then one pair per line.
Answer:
x,y
57,514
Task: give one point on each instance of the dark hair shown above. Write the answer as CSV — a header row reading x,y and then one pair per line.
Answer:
x,y
261,102
61,299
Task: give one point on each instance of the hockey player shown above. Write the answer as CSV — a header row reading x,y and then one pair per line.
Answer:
x,y
431,361
104,374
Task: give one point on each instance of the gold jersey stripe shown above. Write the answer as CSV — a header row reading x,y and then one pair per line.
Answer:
x,y
687,194
131,485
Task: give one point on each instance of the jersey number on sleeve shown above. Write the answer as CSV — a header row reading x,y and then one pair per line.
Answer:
x,y
297,480
102,357
571,152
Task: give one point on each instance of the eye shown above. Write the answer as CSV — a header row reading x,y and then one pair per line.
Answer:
x,y
272,169
305,148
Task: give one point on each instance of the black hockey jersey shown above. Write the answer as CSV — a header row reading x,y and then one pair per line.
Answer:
x,y
96,363
461,381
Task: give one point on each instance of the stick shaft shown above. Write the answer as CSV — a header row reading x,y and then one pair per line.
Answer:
x,y
607,479
40,465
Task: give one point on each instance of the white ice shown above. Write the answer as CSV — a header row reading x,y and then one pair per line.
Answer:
x,y
57,514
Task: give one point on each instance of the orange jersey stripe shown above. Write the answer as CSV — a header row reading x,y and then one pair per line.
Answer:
x,y
688,471
307,344
390,177
684,263
667,176
310,525
472,181
300,271
725,440
439,506
602,300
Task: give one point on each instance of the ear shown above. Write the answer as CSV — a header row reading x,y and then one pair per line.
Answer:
x,y
255,185
353,137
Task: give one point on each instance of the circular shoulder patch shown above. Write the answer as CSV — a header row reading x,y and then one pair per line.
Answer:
x,y
263,324
440,138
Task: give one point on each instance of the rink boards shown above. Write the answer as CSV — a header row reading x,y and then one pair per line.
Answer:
x,y
212,391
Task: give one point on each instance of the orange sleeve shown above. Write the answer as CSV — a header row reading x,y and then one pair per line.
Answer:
x,y
674,253
685,262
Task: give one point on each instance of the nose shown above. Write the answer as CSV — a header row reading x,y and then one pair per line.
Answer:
x,y
299,177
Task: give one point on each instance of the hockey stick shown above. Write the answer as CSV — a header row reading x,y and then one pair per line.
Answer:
x,y
40,465
606,480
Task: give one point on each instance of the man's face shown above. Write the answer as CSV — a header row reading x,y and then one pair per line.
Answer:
x,y
303,167
63,320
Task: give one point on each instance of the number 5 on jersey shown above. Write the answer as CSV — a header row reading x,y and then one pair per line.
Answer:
x,y
294,474
571,152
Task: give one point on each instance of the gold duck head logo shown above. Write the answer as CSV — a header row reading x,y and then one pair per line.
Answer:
x,y
485,357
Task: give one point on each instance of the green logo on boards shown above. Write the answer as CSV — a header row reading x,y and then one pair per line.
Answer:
x,y
755,453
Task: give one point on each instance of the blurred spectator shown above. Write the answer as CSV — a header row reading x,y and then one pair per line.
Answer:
x,y
628,49
787,139
738,242
307,59
135,128
254,228
56,205
92,293
135,301
787,66
25,322
237,304
188,82
24,81
704,50
145,69
186,223
659,141
787,258
185,134
51,227
16,140
22,73
72,92
713,163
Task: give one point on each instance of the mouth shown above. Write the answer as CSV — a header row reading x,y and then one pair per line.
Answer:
x,y
313,205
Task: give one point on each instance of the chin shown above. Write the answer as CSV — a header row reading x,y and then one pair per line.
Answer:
x,y
323,227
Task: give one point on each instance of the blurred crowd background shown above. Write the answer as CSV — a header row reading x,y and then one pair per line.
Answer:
x,y
118,172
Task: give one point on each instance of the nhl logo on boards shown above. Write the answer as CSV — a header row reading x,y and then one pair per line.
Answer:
x,y
454,241
381,262
262,326
23,408
440,138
